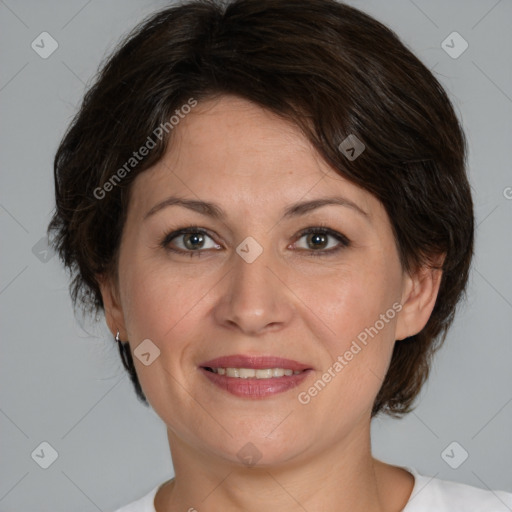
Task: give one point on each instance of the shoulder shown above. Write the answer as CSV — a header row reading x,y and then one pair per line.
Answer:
x,y
430,493
144,504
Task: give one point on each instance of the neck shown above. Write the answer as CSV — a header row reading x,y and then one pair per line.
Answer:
x,y
345,478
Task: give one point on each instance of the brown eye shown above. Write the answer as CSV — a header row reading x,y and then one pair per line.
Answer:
x,y
193,241
189,241
317,240
323,241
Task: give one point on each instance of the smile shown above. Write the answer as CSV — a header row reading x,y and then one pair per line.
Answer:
x,y
251,373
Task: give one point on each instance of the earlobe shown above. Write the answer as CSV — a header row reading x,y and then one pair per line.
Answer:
x,y
418,300
113,310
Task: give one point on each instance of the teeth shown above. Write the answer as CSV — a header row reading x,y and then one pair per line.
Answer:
x,y
248,373
232,372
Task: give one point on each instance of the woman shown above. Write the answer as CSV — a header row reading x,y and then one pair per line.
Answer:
x,y
268,200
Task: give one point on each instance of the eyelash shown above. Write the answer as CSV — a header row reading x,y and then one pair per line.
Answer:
x,y
320,229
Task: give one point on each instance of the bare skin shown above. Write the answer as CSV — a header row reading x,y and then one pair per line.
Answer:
x,y
314,456
394,486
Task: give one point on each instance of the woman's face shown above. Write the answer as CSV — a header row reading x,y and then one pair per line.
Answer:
x,y
252,285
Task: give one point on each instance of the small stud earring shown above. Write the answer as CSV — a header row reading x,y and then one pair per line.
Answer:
x,y
122,350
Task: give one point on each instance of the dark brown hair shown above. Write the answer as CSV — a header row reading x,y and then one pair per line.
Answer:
x,y
327,67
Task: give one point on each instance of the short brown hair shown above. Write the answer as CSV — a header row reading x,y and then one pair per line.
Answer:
x,y
327,67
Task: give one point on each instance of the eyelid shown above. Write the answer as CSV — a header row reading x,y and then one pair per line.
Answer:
x,y
322,228
176,233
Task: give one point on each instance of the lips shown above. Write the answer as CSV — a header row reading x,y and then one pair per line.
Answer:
x,y
256,362
254,387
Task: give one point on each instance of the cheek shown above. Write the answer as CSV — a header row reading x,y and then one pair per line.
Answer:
x,y
155,299
170,306
357,309
351,299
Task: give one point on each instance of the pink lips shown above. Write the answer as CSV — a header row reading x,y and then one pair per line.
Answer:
x,y
252,387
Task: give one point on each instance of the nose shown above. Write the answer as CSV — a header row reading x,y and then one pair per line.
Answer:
x,y
255,298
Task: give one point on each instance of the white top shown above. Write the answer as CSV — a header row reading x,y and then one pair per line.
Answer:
x,y
428,495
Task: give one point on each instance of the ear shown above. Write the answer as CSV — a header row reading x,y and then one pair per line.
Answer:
x,y
112,305
418,299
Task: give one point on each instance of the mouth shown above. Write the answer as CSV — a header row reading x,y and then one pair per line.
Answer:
x,y
252,373
254,377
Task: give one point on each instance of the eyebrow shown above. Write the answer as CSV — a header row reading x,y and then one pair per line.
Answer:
x,y
295,210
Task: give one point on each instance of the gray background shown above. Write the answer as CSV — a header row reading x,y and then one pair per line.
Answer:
x,y
61,378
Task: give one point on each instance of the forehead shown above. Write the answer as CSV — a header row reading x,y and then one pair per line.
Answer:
x,y
234,150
